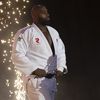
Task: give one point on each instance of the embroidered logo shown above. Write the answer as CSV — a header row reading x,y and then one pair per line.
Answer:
x,y
37,40
19,38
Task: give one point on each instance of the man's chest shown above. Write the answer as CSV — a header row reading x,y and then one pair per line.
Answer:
x,y
42,41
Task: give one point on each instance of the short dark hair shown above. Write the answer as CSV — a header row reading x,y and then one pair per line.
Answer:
x,y
36,7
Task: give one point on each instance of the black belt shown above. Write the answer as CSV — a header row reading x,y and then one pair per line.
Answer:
x,y
49,75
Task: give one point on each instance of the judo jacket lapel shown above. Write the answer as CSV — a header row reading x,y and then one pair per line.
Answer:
x,y
53,38
44,38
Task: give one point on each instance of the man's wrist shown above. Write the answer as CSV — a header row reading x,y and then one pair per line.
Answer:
x,y
33,73
60,69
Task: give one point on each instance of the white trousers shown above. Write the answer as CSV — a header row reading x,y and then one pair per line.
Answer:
x,y
40,89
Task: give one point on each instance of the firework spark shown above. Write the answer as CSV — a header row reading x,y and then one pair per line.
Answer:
x,y
10,14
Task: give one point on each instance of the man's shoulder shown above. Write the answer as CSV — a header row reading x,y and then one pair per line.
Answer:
x,y
53,30
22,30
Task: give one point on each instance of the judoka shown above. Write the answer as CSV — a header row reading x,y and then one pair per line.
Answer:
x,y
39,54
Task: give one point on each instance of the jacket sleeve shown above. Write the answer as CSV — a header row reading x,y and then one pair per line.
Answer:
x,y
61,57
19,50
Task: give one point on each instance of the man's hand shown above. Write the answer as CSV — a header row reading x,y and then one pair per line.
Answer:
x,y
39,73
59,73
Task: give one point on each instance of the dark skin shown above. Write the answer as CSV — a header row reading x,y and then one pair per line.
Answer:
x,y
40,17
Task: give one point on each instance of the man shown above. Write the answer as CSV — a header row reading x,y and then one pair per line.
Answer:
x,y
39,53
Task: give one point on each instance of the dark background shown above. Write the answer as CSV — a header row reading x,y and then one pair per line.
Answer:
x,y
77,22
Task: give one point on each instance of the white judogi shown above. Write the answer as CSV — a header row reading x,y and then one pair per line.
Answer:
x,y
31,50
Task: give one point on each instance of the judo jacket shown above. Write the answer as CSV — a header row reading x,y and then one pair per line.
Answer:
x,y
31,50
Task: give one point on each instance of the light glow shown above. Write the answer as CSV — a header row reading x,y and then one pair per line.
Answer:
x,y
9,15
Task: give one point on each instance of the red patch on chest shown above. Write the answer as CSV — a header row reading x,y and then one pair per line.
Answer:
x,y
37,40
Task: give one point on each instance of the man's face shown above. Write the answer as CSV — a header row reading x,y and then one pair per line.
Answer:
x,y
43,16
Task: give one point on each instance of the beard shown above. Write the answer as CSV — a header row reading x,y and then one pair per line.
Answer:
x,y
44,21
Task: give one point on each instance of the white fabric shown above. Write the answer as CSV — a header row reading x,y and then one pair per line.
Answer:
x,y
39,88
31,50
